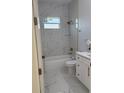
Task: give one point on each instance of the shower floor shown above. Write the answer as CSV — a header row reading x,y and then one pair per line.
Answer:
x,y
57,80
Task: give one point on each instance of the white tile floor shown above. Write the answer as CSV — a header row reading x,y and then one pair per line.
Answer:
x,y
59,81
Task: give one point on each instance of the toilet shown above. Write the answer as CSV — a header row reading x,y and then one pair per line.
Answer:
x,y
71,67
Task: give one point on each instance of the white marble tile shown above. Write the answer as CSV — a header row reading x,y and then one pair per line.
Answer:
x,y
55,42
57,80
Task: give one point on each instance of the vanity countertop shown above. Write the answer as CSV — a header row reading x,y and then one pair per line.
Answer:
x,y
84,54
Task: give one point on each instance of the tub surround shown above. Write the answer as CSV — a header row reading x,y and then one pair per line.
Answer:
x,y
55,42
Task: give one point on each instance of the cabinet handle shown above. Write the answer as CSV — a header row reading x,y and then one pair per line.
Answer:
x,y
88,71
78,74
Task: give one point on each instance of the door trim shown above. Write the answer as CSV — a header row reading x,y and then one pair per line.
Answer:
x,y
38,44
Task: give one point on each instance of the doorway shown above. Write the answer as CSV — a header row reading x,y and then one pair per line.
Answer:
x,y
59,37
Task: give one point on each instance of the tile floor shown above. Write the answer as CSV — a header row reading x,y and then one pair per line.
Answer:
x,y
59,81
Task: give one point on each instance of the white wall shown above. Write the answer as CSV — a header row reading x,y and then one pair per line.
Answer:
x,y
84,24
55,42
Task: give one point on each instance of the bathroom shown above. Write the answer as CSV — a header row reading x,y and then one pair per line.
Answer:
x,y
65,29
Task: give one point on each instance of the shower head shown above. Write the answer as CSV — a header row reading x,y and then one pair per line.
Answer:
x,y
70,22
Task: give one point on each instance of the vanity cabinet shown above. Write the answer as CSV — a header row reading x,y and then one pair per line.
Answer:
x,y
83,70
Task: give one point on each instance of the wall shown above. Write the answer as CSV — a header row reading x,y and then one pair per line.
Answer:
x,y
84,24
55,42
73,15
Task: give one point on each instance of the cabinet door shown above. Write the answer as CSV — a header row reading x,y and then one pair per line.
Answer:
x,y
87,76
83,73
78,70
85,69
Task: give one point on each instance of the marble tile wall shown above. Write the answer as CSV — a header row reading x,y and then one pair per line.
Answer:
x,y
55,42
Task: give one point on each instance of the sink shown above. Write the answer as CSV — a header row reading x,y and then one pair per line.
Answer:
x,y
89,54
85,54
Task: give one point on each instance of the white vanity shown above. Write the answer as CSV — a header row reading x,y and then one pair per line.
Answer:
x,y
83,68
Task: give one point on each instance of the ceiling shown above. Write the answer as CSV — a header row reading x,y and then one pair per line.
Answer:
x,y
55,1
